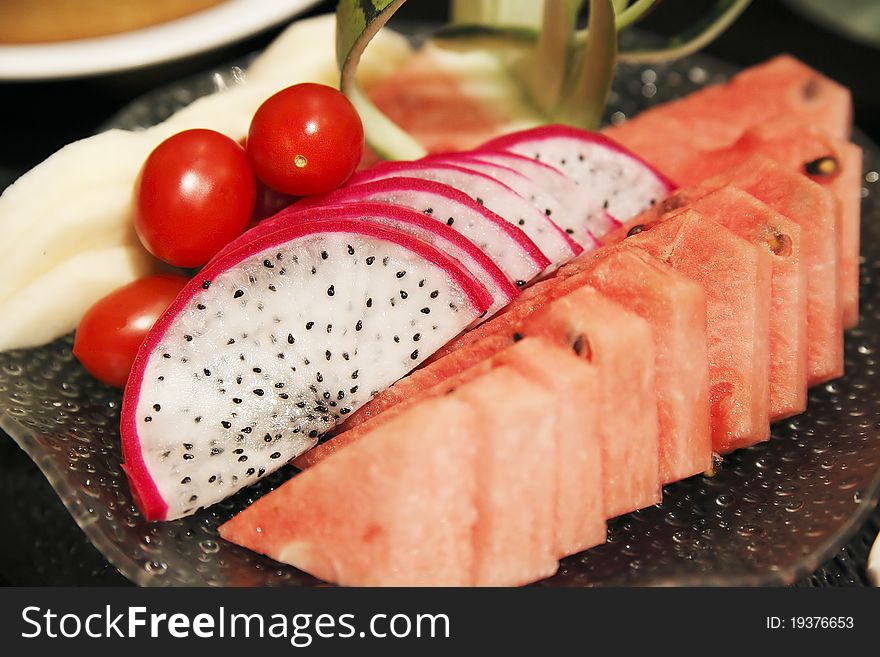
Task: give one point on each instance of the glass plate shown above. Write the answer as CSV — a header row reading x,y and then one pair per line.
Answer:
x,y
771,513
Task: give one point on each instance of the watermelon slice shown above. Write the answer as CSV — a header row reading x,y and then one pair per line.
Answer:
x,y
715,117
619,343
736,277
580,511
580,504
812,208
675,307
759,224
408,514
515,534
833,163
847,188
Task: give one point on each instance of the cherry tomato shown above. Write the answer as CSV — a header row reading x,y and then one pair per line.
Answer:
x,y
194,195
112,331
306,139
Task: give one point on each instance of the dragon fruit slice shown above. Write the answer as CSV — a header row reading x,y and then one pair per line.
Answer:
x,y
407,221
494,195
588,217
547,188
507,245
274,343
624,183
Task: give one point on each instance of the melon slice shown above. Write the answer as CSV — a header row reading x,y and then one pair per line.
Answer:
x,y
833,163
397,509
759,224
812,208
619,343
675,307
736,277
580,511
515,533
716,116
847,189
574,386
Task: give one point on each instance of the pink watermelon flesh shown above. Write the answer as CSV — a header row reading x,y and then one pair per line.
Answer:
x,y
515,537
580,508
675,307
716,116
759,224
580,511
485,190
833,163
619,343
398,509
847,188
812,208
736,278
506,244
606,172
217,331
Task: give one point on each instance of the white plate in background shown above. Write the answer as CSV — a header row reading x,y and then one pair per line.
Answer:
x,y
210,28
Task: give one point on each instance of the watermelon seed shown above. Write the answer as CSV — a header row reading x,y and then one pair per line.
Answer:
x,y
821,166
635,230
582,347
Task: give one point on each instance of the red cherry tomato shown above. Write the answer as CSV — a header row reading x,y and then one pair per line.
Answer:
x,y
112,331
194,195
306,139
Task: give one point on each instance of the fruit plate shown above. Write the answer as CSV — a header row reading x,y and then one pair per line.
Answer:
x,y
770,514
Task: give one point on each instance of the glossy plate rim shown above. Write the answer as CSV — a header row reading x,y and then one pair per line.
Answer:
x,y
204,30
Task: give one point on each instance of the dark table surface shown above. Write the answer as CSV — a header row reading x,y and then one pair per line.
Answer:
x,y
38,118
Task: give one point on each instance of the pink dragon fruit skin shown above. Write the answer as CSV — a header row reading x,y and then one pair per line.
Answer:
x,y
213,399
495,195
504,242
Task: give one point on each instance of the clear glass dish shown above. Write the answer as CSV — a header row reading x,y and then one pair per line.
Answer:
x,y
771,513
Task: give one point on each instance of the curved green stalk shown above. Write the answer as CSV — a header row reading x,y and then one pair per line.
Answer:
x,y
357,22
633,13
592,71
548,67
723,15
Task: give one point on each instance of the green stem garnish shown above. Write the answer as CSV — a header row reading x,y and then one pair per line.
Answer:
x,y
567,72
723,14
